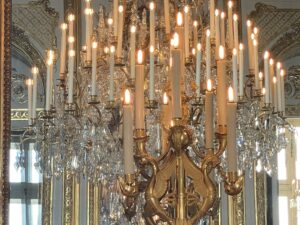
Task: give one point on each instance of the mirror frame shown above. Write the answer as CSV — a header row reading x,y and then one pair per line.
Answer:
x,y
5,95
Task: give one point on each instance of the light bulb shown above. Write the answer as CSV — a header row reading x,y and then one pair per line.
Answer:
x,y
29,82
151,48
230,4
179,19
151,5
260,75
255,42
234,51
278,65
255,30
176,40
133,29
230,94
195,23
35,70
252,36
94,44
221,52
165,98
235,17
209,85
186,9
249,23
110,21
282,72
223,15
263,91
127,99
266,55
64,26
207,32
140,56
71,17
241,46
271,62
199,47
106,49
193,51
71,39
274,80
216,12
72,53
112,49
121,8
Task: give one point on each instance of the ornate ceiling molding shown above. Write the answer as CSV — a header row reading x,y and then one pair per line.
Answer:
x,y
292,91
279,28
38,20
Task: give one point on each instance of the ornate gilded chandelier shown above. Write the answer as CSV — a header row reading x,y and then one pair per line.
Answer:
x,y
145,109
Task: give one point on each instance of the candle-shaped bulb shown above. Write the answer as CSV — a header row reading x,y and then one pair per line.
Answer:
x,y
94,44
209,85
278,65
199,47
234,51
252,36
263,91
106,49
151,6
235,17
127,99
216,12
255,30
260,75
112,49
88,11
274,80
271,62
195,23
230,94
266,55
282,72
241,46
140,57
50,57
84,48
222,15
165,98
186,9
29,82
121,8
193,51
110,21
71,17
64,26
221,52
254,42
176,40
230,4
72,53
207,32
179,19
151,48
249,23
71,39
35,70
133,29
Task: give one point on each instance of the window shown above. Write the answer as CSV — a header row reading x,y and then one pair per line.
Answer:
x,y
289,179
24,206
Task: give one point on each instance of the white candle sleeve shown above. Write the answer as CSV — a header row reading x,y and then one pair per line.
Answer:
x,y
198,72
187,33
34,95
128,139
94,70
115,16
267,80
212,17
29,85
234,75
139,97
151,80
208,58
167,16
111,77
279,90
231,137
63,50
230,28
241,72
209,129
48,88
120,33
132,53
176,83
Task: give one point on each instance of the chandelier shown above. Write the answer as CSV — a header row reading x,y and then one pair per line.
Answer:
x,y
145,108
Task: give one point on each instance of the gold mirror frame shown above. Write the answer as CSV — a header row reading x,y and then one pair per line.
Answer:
x,y
5,80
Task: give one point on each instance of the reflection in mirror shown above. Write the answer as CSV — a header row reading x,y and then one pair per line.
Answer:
x,y
76,85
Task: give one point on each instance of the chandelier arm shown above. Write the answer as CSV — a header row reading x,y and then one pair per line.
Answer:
x,y
222,138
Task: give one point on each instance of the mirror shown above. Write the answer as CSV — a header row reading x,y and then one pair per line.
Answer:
x,y
66,165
